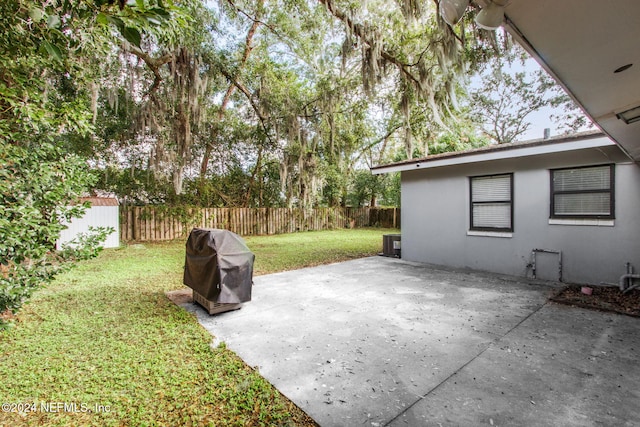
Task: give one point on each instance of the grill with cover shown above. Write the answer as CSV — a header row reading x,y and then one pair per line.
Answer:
x,y
219,269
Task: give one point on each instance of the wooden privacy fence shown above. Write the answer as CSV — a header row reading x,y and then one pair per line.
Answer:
x,y
151,223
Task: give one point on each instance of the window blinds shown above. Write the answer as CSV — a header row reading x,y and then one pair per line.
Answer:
x,y
582,192
491,203
596,178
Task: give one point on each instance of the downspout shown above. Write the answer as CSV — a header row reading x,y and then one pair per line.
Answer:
x,y
624,287
626,280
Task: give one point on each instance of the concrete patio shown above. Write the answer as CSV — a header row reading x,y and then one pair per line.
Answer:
x,y
380,341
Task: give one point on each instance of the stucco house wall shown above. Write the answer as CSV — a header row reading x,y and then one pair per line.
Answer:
x,y
436,219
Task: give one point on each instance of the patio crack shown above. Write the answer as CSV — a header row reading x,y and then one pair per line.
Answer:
x,y
488,346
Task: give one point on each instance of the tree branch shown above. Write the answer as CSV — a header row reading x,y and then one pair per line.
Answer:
x,y
154,64
383,138
360,31
247,93
255,20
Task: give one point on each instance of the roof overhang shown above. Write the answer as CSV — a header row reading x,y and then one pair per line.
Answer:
x,y
582,44
500,152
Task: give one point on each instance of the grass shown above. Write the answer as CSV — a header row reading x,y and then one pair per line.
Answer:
x,y
105,341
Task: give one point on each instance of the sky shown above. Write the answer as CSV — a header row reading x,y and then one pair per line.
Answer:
x,y
540,120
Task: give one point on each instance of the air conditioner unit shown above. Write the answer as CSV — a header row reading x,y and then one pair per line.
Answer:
x,y
391,245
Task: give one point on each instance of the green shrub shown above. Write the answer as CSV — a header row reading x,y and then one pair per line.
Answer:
x,y
39,190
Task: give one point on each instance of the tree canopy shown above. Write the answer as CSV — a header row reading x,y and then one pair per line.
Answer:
x,y
251,103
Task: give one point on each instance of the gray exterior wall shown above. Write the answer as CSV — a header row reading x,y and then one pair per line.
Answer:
x,y
435,220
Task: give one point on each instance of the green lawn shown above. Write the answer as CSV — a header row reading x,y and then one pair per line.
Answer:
x,y
105,341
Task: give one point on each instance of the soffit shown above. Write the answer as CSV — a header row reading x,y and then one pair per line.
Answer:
x,y
581,43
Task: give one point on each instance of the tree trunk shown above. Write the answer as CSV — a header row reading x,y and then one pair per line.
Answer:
x,y
227,96
252,180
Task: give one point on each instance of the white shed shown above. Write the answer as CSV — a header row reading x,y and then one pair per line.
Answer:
x,y
104,212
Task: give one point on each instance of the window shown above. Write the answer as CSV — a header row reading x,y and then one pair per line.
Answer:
x,y
585,192
492,202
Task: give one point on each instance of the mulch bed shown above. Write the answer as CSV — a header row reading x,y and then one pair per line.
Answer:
x,y
602,298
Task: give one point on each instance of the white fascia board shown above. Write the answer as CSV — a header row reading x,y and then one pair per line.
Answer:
x,y
511,153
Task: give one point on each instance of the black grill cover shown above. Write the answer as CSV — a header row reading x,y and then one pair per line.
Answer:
x,y
219,266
